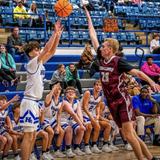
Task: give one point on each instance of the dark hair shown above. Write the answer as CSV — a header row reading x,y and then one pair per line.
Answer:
x,y
70,88
148,57
30,47
155,35
12,29
16,105
97,81
59,66
3,97
145,87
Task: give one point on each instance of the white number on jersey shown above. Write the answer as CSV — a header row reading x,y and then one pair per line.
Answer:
x,y
105,77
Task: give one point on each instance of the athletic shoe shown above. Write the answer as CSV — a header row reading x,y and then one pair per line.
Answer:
x,y
114,148
95,149
49,155
17,158
78,152
69,153
106,148
87,150
59,154
33,157
128,147
44,156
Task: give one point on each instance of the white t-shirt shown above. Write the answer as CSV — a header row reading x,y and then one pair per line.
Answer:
x,y
35,76
154,43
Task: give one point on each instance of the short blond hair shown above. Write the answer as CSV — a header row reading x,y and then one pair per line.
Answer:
x,y
113,43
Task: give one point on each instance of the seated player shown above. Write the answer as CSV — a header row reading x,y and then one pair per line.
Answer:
x,y
67,112
3,127
91,102
77,131
52,104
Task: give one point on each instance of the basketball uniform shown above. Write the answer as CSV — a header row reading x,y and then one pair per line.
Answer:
x,y
16,125
92,105
51,114
115,89
29,110
74,124
3,115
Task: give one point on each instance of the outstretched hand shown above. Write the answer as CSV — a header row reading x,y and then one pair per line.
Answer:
x,y
58,27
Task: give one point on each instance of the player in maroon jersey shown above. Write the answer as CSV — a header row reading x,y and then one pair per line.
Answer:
x,y
112,71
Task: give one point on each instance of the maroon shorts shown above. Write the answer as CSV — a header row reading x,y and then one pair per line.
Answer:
x,y
122,111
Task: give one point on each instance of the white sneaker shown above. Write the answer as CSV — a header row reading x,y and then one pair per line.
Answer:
x,y
78,152
59,154
87,150
44,156
49,155
17,158
33,157
106,148
114,148
95,149
70,154
128,147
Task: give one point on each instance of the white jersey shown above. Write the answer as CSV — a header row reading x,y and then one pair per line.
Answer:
x,y
52,109
93,103
74,107
3,115
35,76
16,125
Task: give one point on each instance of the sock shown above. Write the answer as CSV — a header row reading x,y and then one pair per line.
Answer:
x,y
76,146
57,148
106,142
68,147
16,154
125,142
156,137
93,143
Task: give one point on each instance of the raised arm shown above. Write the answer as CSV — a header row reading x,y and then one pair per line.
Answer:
x,y
92,32
50,47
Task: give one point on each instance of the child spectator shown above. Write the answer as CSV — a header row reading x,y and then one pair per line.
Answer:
x,y
155,45
72,77
59,76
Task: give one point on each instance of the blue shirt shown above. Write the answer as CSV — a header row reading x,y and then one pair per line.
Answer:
x,y
144,105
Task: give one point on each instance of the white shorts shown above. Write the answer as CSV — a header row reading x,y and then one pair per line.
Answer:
x,y
29,115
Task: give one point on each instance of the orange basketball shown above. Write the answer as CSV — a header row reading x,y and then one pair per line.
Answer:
x,y
63,8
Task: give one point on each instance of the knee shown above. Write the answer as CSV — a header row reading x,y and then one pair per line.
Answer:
x,y
4,140
9,140
61,132
96,127
50,132
45,136
140,120
89,127
69,130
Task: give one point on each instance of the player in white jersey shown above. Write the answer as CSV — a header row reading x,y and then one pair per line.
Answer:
x,y
15,130
3,127
53,102
66,112
91,103
29,110
77,131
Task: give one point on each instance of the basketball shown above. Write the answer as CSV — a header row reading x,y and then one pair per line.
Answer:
x,y
63,8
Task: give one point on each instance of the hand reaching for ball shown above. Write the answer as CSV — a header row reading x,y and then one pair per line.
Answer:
x,y
58,28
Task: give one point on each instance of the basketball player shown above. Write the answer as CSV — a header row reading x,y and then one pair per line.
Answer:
x,y
53,102
91,102
67,112
29,110
3,127
112,69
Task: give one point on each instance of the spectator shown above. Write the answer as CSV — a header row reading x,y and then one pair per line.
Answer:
x,y
72,77
151,69
22,16
59,76
86,58
15,44
146,113
48,21
8,65
35,19
155,45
